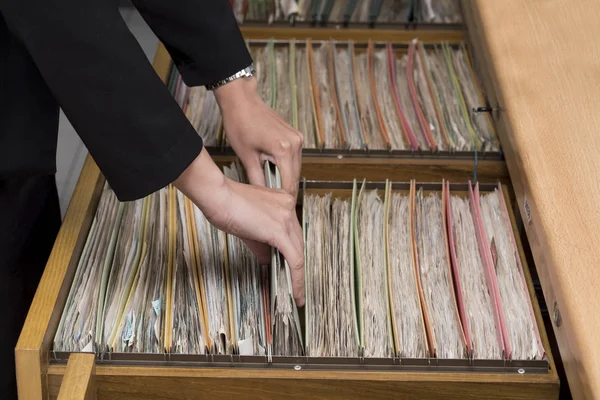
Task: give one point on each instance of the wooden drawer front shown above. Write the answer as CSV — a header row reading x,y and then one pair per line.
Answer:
x,y
123,379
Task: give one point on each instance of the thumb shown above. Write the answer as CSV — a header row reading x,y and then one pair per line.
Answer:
x,y
295,259
297,272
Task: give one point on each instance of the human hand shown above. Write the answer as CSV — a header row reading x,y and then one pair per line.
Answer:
x,y
257,133
255,214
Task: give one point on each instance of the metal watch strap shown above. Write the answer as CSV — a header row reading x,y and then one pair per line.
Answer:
x,y
245,73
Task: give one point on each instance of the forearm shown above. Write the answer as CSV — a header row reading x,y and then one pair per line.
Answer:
x,y
138,136
204,183
236,94
202,180
202,37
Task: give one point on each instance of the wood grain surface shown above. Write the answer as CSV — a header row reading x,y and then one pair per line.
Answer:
x,y
79,381
162,62
378,35
541,64
38,380
396,169
33,347
175,383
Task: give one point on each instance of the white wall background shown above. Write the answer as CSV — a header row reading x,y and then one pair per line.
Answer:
x,y
71,151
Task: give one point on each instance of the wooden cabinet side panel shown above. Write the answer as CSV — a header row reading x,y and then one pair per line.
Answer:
x,y
31,369
162,62
32,350
486,21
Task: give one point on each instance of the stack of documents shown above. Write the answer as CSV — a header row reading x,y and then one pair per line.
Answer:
x,y
441,314
423,284
475,301
438,11
520,333
249,291
287,336
411,274
267,11
374,97
346,12
155,276
331,324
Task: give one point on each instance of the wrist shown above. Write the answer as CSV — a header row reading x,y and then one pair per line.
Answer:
x,y
237,93
203,183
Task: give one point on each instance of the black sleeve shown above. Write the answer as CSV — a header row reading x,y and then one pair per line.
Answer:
x,y
202,37
138,136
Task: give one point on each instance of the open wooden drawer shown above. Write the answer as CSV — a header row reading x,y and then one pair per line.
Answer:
x,y
40,377
40,373
333,164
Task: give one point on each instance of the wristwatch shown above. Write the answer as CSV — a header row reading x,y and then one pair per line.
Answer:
x,y
245,73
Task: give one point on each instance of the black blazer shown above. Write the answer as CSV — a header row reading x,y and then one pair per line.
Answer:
x,y
80,55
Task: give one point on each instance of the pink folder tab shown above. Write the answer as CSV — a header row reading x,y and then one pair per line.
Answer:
x,y
513,241
459,291
490,274
408,133
415,99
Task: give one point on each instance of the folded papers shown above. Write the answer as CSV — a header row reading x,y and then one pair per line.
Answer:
x,y
348,11
389,273
343,96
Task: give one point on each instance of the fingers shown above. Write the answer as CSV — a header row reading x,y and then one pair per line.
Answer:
x,y
296,235
298,284
290,175
296,262
278,143
292,247
287,152
297,269
255,172
262,251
